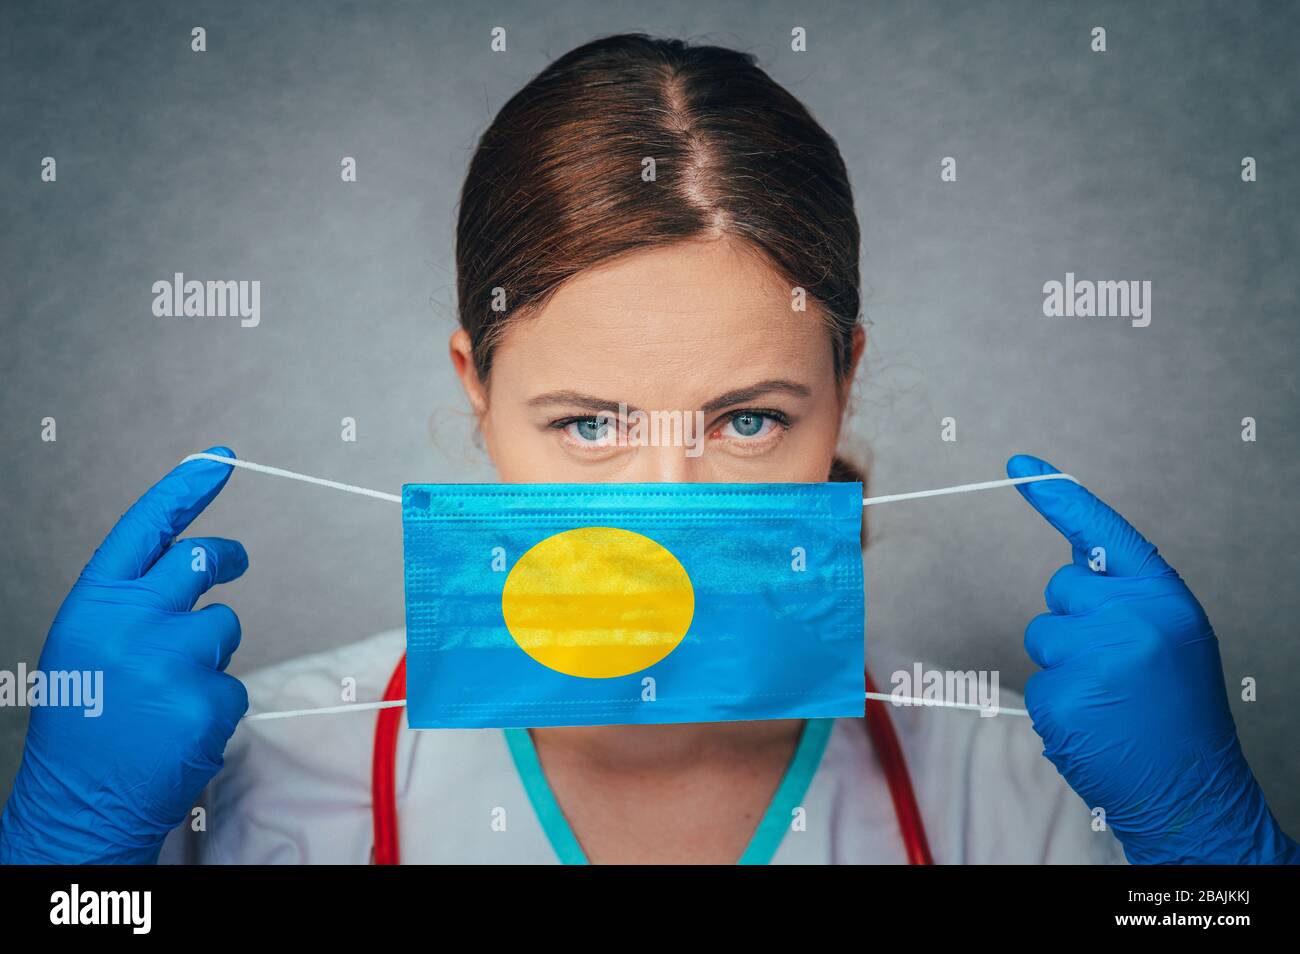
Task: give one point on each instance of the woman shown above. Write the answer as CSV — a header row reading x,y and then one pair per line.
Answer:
x,y
641,225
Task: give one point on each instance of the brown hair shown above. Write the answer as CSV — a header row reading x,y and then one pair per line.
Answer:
x,y
556,185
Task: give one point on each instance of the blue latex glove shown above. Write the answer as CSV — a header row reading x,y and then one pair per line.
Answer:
x,y
1131,703
107,790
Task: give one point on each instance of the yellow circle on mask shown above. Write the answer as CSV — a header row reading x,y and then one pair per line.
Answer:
x,y
598,602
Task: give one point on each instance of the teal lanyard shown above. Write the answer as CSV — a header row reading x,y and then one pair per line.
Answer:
x,y
767,836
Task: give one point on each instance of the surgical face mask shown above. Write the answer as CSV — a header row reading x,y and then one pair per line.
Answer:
x,y
595,604
604,604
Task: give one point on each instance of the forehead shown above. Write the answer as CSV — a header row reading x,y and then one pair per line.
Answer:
x,y
678,322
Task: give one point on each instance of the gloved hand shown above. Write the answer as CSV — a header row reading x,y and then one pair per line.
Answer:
x,y
108,789
1130,702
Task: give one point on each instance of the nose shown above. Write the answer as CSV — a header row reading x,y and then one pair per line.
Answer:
x,y
663,465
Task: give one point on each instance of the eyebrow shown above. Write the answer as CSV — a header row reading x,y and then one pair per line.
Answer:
x,y
727,399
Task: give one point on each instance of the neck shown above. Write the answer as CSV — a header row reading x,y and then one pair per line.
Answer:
x,y
667,747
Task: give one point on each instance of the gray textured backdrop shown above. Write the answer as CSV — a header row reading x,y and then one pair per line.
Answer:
x,y
226,165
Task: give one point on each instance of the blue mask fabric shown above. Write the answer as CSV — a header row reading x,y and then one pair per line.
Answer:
x,y
607,604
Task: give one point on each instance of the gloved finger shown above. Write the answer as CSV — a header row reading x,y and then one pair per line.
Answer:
x,y
153,521
209,716
1086,521
1051,640
210,636
1077,589
231,703
191,567
1044,691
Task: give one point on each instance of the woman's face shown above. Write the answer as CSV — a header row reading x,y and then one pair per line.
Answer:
x,y
700,338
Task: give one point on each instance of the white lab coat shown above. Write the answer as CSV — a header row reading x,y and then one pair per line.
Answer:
x,y
297,791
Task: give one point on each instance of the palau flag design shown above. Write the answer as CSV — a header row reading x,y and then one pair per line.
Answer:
x,y
609,604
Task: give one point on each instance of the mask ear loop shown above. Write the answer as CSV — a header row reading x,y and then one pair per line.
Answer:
x,y
394,498
293,475
966,488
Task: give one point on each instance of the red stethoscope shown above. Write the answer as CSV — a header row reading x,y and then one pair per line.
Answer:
x,y
383,781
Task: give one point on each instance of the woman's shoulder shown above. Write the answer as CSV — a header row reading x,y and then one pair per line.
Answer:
x,y
983,785
356,672
297,790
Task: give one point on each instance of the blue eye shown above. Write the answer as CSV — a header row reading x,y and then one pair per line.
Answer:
x,y
747,425
589,429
